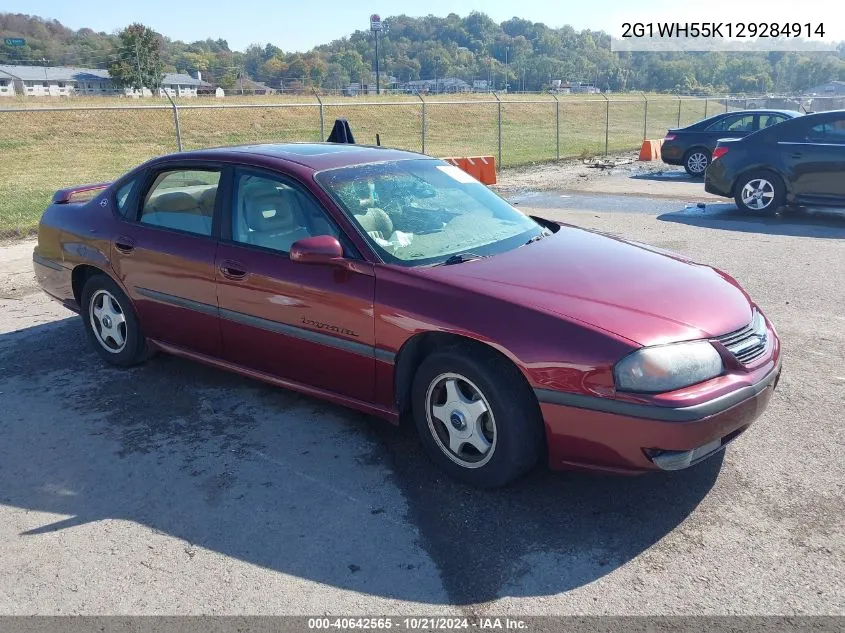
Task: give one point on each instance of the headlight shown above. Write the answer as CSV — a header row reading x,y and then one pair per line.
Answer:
x,y
667,367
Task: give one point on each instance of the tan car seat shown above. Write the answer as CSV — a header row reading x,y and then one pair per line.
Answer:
x,y
376,223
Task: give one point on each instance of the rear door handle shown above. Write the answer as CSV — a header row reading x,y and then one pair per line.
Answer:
x,y
232,270
124,244
796,155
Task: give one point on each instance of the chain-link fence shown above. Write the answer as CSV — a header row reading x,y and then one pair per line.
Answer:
x,y
44,148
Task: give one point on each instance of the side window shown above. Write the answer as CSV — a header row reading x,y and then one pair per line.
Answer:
x,y
182,199
768,120
273,214
122,197
738,123
742,124
828,132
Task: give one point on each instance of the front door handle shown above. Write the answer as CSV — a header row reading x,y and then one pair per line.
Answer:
x,y
796,155
232,270
124,244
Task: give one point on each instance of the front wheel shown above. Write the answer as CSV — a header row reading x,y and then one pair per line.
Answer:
x,y
696,162
476,416
759,191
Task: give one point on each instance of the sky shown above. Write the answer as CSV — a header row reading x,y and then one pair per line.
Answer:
x,y
302,24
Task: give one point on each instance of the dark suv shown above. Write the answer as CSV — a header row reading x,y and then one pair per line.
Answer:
x,y
693,145
798,162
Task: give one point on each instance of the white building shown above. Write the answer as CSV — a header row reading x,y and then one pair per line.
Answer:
x,y
60,81
7,85
182,85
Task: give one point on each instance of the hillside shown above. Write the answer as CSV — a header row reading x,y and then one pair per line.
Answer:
x,y
471,47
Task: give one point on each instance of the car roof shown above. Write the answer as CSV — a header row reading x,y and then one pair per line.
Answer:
x,y
792,113
315,156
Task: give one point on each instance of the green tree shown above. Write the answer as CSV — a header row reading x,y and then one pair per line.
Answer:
x,y
139,58
229,79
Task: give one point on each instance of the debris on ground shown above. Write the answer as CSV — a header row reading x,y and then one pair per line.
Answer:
x,y
607,163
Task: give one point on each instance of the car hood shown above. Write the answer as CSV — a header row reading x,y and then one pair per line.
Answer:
x,y
643,294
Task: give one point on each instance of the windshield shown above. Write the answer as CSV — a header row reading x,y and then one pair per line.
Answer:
x,y
421,212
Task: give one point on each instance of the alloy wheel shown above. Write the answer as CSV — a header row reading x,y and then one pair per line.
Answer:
x,y
461,420
107,321
758,194
697,163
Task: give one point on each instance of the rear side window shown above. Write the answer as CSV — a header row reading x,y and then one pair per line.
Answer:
x,y
768,120
183,200
739,123
123,195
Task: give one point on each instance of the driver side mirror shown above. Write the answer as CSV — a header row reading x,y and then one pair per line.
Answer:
x,y
322,249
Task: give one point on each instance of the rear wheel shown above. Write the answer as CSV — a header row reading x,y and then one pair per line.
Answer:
x,y
696,161
759,191
111,323
476,416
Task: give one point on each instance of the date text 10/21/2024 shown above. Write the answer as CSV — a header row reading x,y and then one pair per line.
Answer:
x,y
418,623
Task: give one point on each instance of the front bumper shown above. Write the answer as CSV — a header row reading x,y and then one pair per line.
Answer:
x,y
614,436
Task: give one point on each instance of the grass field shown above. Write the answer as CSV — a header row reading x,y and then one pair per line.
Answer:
x,y
90,140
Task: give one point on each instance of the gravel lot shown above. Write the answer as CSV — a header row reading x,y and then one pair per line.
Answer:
x,y
174,488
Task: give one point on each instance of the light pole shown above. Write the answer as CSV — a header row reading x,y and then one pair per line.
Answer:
x,y
507,49
377,27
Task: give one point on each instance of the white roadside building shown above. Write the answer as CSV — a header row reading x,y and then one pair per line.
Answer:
x,y
62,81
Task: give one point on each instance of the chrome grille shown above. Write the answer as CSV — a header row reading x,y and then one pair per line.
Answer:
x,y
748,343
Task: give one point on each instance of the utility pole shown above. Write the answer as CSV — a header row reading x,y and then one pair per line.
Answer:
x,y
138,62
436,61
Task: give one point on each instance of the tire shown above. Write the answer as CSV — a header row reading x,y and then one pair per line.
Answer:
x,y
111,324
488,404
696,161
759,191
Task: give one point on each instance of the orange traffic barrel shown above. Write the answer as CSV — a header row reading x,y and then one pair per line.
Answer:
x,y
651,149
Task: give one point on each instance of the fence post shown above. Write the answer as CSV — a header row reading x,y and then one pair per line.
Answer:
x,y
499,102
645,118
606,121
679,110
705,107
322,120
419,96
175,120
726,103
557,126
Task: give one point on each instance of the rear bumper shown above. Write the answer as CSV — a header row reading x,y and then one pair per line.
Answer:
x,y
717,180
55,280
671,154
629,438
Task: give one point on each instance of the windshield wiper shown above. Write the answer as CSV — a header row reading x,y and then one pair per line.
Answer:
x,y
537,238
460,258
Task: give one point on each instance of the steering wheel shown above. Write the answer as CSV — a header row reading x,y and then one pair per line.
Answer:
x,y
393,207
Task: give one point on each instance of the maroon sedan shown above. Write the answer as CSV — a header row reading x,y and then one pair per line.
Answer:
x,y
396,284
